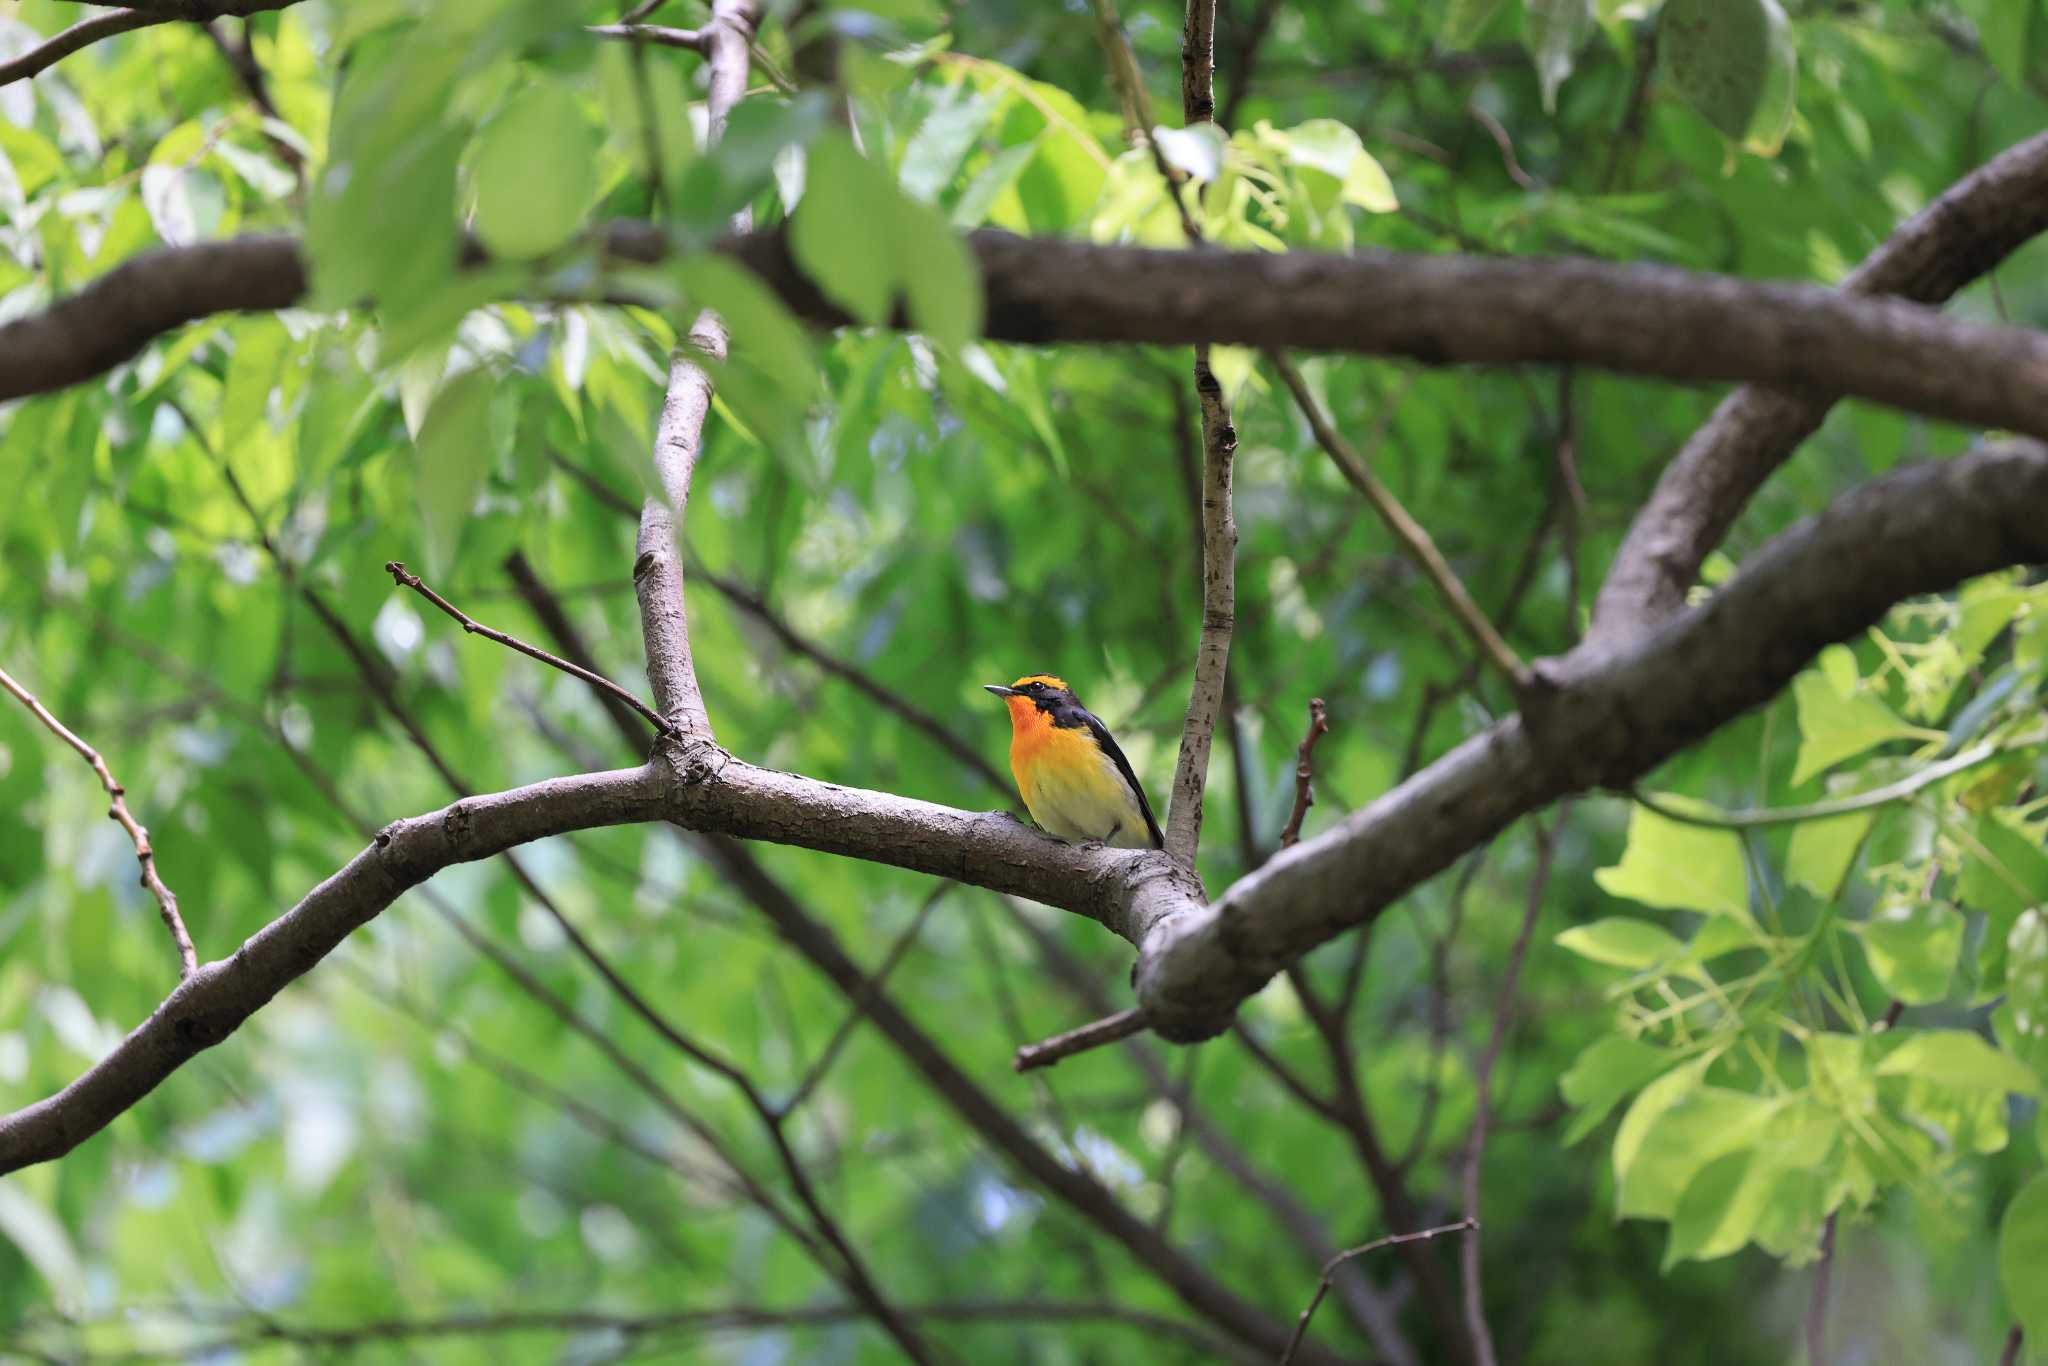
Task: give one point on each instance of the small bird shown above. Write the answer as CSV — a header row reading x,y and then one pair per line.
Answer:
x,y
1074,780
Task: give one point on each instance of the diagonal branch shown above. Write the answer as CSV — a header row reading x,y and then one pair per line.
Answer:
x,y
1972,226
1410,533
117,811
82,34
213,1002
1330,1271
1605,721
1602,723
405,579
137,14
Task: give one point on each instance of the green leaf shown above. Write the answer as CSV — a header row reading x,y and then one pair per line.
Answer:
x,y
972,208
457,450
1734,62
1553,31
536,171
1957,1057
1833,728
1611,1068
944,283
1622,942
2004,873
1733,1197
1913,946
1463,22
43,1242
1709,1123
935,151
1678,866
2014,34
1648,1107
2023,1257
2022,1023
1822,850
762,330
839,231
1838,667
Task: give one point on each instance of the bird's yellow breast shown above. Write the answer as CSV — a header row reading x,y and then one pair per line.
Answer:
x,y
1071,787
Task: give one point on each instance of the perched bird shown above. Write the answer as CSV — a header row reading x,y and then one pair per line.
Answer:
x,y
1075,781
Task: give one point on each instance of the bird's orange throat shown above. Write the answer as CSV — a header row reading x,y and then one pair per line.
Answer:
x,y
1030,727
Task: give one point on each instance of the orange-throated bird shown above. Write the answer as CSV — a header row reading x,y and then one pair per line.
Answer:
x,y
1075,781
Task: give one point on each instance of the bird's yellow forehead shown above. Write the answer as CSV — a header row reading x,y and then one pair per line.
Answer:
x,y
1046,679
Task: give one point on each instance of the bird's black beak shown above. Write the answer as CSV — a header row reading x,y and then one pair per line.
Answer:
x,y
999,690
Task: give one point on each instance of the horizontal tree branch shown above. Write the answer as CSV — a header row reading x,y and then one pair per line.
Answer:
x,y
1588,721
1435,309
212,1003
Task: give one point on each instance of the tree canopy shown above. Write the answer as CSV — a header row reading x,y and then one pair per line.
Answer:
x,y
513,502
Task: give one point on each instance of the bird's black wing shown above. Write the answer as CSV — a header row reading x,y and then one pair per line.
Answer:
x,y
1123,766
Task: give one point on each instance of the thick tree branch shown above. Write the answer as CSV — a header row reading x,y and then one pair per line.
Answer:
x,y
118,812
1437,309
679,436
1183,833
1080,1191
213,1002
1975,224
1604,722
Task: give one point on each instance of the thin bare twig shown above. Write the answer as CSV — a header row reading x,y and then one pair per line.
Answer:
x,y
2010,1356
1509,161
1817,1306
691,39
84,33
1482,1087
1409,532
470,624
1304,769
858,1008
1468,1223
1095,1034
117,810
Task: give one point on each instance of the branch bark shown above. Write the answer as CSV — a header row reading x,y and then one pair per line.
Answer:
x,y
1602,721
138,14
1975,224
679,437
214,1001
1441,310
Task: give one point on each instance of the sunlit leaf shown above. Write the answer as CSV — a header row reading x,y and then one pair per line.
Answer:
x,y
1679,866
1959,1058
